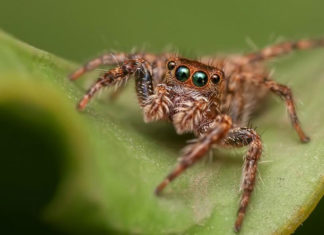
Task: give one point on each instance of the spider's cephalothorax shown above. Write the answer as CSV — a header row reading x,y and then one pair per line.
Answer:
x,y
213,101
189,96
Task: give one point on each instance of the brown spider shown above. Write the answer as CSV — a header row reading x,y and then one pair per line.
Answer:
x,y
213,101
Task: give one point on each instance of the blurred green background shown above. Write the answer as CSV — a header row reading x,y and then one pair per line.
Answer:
x,y
79,30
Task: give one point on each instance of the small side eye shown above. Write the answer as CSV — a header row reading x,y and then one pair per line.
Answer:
x,y
171,65
215,78
200,78
182,73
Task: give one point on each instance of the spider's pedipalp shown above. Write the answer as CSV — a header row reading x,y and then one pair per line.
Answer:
x,y
157,106
190,115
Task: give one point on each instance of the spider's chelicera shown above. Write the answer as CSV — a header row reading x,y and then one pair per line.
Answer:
x,y
212,100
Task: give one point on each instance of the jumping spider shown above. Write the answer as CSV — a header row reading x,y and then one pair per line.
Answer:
x,y
214,100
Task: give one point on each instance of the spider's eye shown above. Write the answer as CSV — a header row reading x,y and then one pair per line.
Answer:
x,y
200,78
182,73
171,65
215,78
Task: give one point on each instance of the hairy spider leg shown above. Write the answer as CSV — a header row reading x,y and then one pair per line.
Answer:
x,y
193,152
239,137
105,59
140,68
118,58
282,49
285,93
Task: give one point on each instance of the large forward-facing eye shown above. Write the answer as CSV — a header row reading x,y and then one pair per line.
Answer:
x,y
200,78
182,73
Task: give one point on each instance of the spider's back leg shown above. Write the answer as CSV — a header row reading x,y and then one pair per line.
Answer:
x,y
282,49
285,93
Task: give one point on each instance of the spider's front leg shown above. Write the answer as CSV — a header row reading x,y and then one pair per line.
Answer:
x,y
139,67
105,59
239,137
193,152
224,135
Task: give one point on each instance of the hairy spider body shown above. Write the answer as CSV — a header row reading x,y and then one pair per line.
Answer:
x,y
213,98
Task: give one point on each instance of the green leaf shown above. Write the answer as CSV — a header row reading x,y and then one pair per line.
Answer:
x,y
96,171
